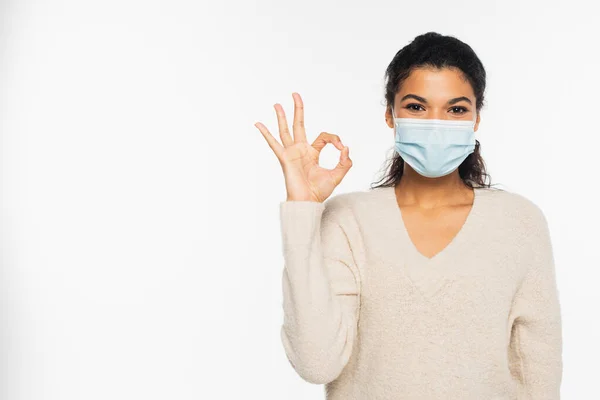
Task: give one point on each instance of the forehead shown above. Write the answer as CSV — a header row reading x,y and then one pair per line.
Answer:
x,y
436,84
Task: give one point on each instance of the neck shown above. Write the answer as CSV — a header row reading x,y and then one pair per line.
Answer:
x,y
417,190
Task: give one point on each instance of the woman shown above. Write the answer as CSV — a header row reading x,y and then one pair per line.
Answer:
x,y
433,285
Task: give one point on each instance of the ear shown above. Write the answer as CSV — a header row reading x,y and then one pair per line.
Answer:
x,y
477,122
388,117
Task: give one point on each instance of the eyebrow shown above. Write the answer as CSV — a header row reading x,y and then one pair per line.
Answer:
x,y
423,100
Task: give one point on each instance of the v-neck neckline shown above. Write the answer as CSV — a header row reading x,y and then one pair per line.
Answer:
x,y
458,237
429,275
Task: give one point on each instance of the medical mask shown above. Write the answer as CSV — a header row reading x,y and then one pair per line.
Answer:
x,y
434,147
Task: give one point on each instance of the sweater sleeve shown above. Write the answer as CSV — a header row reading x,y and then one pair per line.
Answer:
x,y
320,289
535,350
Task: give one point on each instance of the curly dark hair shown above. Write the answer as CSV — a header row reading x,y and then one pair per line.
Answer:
x,y
434,50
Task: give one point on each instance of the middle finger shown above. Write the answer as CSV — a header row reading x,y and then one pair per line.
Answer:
x,y
298,127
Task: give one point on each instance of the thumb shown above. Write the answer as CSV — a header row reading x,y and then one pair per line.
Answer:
x,y
343,166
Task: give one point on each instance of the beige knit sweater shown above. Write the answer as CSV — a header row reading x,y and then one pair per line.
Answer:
x,y
370,317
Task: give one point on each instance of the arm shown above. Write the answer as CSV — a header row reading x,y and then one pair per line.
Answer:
x,y
535,351
320,290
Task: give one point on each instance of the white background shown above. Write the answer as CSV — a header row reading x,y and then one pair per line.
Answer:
x,y
141,253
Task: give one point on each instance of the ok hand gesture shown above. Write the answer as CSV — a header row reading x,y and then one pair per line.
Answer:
x,y
305,180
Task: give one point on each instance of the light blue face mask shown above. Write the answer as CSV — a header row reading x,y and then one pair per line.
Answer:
x,y
434,147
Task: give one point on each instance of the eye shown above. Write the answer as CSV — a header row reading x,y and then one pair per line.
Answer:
x,y
461,110
412,105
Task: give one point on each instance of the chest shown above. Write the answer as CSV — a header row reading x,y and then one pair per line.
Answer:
x,y
441,261
465,292
430,231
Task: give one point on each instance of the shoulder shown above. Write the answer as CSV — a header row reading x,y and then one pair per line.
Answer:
x,y
357,198
346,206
341,205
512,205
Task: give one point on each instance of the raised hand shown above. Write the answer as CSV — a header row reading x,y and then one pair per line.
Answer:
x,y
305,180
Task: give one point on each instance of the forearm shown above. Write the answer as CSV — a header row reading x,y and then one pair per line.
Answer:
x,y
318,328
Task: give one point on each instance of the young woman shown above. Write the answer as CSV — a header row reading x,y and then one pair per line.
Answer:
x,y
432,285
